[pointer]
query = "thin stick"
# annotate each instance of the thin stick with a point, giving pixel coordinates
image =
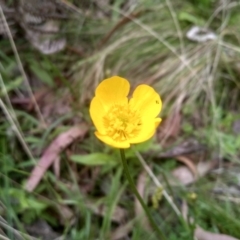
(135, 191)
(18, 234)
(16, 130)
(159, 185)
(4, 238)
(8, 101)
(177, 25)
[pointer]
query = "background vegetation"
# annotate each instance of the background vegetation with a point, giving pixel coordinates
(53, 55)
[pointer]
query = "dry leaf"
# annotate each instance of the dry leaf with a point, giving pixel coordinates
(122, 231)
(172, 125)
(66, 214)
(204, 167)
(185, 176)
(52, 152)
(201, 234)
(189, 164)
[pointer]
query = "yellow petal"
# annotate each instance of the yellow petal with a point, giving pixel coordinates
(148, 129)
(97, 112)
(113, 90)
(157, 121)
(146, 101)
(111, 142)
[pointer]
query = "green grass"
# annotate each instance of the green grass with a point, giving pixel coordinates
(91, 199)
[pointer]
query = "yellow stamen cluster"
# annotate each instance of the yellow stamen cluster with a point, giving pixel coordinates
(122, 122)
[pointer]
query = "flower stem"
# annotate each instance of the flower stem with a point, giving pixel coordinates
(135, 191)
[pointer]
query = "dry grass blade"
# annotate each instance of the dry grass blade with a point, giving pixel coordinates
(4, 238)
(16, 129)
(20, 65)
(52, 153)
(157, 183)
(17, 234)
(181, 80)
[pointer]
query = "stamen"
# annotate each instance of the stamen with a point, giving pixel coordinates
(122, 122)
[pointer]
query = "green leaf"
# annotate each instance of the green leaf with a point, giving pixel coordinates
(140, 147)
(184, 16)
(42, 74)
(12, 85)
(94, 159)
(32, 139)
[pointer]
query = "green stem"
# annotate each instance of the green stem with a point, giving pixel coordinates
(130, 180)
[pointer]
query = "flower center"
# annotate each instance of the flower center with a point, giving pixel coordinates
(122, 122)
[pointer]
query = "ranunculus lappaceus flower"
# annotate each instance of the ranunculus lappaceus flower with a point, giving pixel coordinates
(121, 121)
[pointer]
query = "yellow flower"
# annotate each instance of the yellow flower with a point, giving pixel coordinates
(121, 121)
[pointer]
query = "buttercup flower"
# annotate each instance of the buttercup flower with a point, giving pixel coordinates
(121, 121)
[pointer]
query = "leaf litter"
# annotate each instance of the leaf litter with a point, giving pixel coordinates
(51, 154)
